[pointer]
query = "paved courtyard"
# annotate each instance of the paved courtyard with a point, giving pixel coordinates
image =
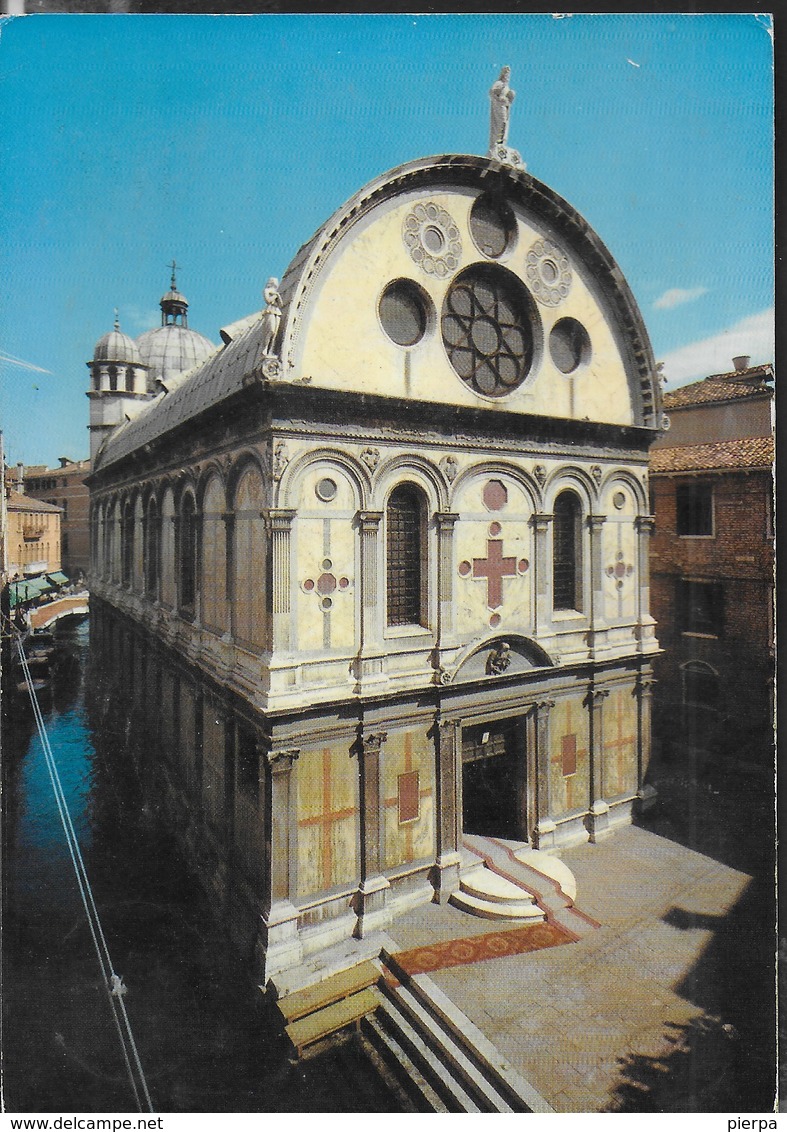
(661, 1008)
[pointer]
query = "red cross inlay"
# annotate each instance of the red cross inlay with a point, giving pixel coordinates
(494, 568)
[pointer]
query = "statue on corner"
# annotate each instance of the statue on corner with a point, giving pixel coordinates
(501, 96)
(271, 317)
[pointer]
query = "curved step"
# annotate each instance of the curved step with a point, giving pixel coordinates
(494, 910)
(551, 867)
(488, 885)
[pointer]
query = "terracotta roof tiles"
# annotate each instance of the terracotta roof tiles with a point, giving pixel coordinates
(751, 452)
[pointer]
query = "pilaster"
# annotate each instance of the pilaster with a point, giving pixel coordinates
(645, 525)
(645, 792)
(278, 945)
(543, 607)
(544, 833)
(279, 522)
(598, 818)
(373, 890)
(369, 667)
(595, 524)
(445, 875)
(446, 521)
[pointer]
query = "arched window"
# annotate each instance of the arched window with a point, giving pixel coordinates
(127, 543)
(567, 552)
(187, 557)
(152, 549)
(406, 556)
(113, 378)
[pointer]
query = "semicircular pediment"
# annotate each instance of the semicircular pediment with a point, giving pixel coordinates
(504, 655)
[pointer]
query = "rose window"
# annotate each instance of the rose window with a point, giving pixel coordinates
(488, 330)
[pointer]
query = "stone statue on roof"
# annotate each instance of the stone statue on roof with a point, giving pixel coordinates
(501, 96)
(271, 317)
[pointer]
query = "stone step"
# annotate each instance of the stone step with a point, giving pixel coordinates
(398, 1062)
(484, 1072)
(420, 1048)
(488, 885)
(492, 910)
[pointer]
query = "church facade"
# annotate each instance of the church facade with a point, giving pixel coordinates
(376, 570)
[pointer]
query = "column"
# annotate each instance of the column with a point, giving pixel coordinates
(278, 946)
(445, 875)
(542, 613)
(446, 521)
(280, 528)
(645, 792)
(369, 669)
(373, 889)
(596, 610)
(544, 833)
(598, 822)
(644, 525)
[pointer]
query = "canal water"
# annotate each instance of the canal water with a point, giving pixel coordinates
(204, 1041)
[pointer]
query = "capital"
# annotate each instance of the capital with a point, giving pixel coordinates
(281, 761)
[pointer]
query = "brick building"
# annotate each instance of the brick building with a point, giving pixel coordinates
(65, 487)
(712, 568)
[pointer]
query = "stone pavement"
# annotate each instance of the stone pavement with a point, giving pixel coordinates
(590, 1023)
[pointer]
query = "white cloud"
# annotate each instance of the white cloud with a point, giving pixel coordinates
(677, 296)
(753, 335)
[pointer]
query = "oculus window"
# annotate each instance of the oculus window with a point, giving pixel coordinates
(487, 328)
(569, 345)
(492, 226)
(403, 312)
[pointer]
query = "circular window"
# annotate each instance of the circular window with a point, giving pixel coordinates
(492, 226)
(325, 490)
(403, 312)
(488, 330)
(569, 345)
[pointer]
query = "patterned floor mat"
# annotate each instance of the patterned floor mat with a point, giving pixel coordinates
(475, 949)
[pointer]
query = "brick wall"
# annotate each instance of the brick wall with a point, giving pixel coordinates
(738, 560)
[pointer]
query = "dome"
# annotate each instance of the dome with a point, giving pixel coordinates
(116, 347)
(172, 349)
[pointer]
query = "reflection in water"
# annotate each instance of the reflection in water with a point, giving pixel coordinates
(204, 1040)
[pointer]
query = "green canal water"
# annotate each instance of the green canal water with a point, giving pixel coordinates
(204, 1041)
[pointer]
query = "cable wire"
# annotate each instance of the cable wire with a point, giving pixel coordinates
(112, 982)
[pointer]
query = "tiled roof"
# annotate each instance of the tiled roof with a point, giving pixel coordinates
(217, 378)
(17, 502)
(752, 452)
(720, 387)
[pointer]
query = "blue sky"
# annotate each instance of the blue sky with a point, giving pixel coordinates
(225, 141)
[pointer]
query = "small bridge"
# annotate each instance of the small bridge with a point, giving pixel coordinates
(72, 606)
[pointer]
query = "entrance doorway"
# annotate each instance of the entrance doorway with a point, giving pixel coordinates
(493, 780)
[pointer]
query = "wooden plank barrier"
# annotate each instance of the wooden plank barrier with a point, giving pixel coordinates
(300, 1003)
(320, 1024)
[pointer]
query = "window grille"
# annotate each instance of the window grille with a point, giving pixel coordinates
(405, 557)
(566, 562)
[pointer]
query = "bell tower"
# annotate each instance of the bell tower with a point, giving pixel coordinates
(118, 384)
